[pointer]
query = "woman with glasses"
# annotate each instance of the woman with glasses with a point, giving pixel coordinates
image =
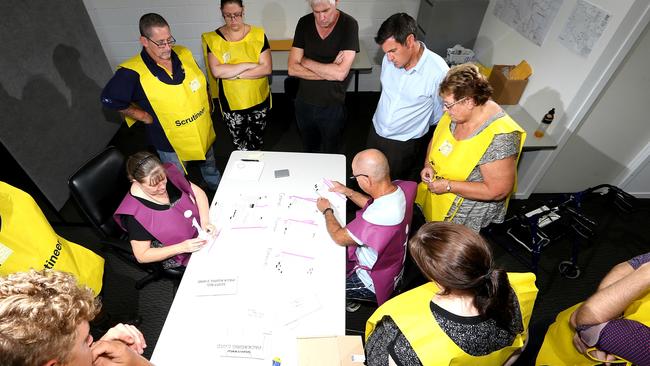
(159, 210)
(470, 169)
(470, 313)
(239, 60)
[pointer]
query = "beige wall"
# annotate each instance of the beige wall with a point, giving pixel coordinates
(614, 132)
(561, 79)
(572, 84)
(116, 22)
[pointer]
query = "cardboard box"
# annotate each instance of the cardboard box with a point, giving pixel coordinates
(506, 91)
(331, 351)
(280, 44)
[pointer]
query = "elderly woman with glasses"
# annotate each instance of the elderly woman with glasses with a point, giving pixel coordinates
(160, 211)
(239, 60)
(470, 169)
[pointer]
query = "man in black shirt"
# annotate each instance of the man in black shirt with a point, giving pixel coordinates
(324, 47)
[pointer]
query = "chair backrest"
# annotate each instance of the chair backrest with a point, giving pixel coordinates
(411, 276)
(98, 187)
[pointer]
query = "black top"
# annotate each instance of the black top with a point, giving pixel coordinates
(344, 36)
(135, 230)
(474, 335)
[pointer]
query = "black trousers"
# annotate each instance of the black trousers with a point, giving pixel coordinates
(321, 128)
(405, 158)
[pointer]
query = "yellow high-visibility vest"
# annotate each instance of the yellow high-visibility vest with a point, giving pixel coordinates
(28, 241)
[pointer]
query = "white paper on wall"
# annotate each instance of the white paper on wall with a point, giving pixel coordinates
(584, 27)
(532, 19)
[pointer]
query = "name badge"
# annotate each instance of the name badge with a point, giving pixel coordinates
(446, 148)
(195, 85)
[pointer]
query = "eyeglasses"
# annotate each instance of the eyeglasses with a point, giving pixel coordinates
(450, 105)
(232, 16)
(161, 44)
(354, 177)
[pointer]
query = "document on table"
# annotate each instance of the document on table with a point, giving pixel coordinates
(296, 229)
(322, 188)
(243, 343)
(214, 286)
(298, 307)
(292, 272)
(246, 170)
(296, 266)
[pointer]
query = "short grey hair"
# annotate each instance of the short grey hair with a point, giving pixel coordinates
(315, 2)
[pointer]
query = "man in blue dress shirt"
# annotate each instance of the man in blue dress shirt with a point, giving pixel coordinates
(409, 103)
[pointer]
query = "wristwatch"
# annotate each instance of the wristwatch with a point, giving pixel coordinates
(448, 186)
(327, 209)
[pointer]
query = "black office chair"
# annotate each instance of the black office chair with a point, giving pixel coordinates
(98, 187)
(411, 277)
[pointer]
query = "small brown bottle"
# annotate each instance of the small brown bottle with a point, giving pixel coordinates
(546, 121)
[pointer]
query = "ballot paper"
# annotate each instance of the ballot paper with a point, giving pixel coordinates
(323, 187)
(246, 169)
(297, 307)
(202, 234)
(214, 286)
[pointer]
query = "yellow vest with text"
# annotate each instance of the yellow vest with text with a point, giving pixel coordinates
(455, 160)
(183, 110)
(28, 241)
(412, 314)
(241, 93)
(558, 348)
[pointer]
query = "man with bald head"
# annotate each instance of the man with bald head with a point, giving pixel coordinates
(376, 238)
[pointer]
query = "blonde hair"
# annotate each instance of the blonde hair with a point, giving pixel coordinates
(39, 314)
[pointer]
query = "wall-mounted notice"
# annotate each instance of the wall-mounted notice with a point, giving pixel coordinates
(532, 18)
(584, 27)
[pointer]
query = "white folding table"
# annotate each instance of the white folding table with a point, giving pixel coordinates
(273, 274)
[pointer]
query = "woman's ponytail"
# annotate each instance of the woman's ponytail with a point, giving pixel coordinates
(494, 298)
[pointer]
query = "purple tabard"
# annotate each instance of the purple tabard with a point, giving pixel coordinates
(388, 241)
(168, 226)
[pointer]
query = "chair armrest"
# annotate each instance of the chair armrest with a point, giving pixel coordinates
(121, 246)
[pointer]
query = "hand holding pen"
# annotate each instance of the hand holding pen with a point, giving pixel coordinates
(323, 204)
(337, 187)
(210, 229)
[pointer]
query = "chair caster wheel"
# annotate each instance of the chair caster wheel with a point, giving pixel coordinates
(569, 270)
